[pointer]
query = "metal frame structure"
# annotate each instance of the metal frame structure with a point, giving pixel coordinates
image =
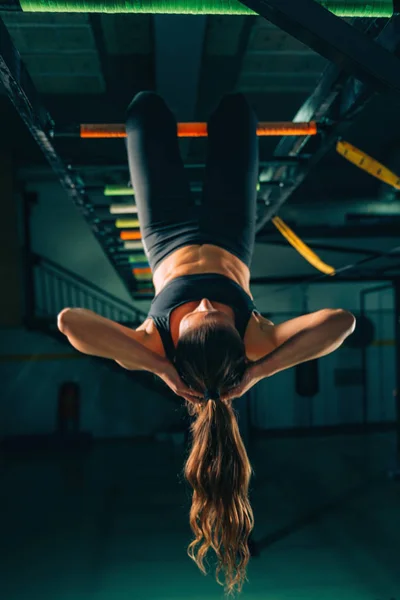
(333, 38)
(22, 93)
(336, 100)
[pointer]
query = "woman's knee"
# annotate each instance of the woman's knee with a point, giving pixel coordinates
(144, 105)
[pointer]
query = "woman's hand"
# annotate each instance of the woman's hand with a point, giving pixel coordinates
(167, 372)
(249, 379)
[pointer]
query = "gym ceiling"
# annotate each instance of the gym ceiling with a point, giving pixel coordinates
(87, 67)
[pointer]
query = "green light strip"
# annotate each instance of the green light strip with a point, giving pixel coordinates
(118, 190)
(341, 8)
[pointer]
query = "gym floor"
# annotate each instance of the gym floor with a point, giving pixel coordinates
(112, 523)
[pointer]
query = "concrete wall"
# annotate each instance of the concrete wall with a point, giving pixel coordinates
(32, 368)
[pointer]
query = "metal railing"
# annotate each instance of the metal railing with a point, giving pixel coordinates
(50, 288)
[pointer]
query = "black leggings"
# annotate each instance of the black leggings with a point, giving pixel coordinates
(168, 215)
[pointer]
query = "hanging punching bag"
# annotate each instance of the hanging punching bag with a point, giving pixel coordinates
(363, 335)
(68, 408)
(307, 378)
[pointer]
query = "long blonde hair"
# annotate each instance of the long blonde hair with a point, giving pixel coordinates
(218, 469)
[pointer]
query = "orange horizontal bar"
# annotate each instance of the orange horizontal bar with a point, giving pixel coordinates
(190, 130)
(130, 235)
(265, 128)
(141, 270)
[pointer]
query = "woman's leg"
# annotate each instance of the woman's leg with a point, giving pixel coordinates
(228, 211)
(167, 212)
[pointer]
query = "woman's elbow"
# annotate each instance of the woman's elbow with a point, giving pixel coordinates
(63, 319)
(347, 320)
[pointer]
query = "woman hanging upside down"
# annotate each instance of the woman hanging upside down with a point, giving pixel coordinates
(203, 335)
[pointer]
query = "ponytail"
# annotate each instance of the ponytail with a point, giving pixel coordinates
(211, 359)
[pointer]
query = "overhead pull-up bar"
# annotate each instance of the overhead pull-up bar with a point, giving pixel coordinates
(188, 130)
(341, 8)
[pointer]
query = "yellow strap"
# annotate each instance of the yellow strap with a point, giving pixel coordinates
(301, 247)
(368, 164)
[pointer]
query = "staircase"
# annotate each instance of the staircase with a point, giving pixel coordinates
(50, 288)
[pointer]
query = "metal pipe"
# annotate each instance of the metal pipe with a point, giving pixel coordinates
(364, 366)
(188, 130)
(29, 292)
(396, 283)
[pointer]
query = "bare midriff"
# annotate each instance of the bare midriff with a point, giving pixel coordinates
(205, 258)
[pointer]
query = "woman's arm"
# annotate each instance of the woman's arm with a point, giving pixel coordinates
(304, 338)
(92, 334)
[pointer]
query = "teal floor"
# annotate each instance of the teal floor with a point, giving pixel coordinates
(113, 524)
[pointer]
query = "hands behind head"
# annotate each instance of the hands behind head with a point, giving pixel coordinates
(249, 379)
(170, 376)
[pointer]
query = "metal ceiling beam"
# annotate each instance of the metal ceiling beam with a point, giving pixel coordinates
(99, 41)
(318, 232)
(220, 72)
(374, 272)
(336, 101)
(333, 38)
(179, 41)
(298, 279)
(327, 247)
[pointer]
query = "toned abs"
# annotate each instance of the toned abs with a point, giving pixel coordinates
(195, 259)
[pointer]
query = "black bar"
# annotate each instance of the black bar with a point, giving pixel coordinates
(29, 291)
(52, 293)
(364, 366)
(395, 267)
(341, 272)
(101, 45)
(41, 278)
(301, 280)
(396, 283)
(378, 288)
(325, 232)
(334, 39)
(318, 246)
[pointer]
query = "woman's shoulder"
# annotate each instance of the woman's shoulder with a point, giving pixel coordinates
(150, 337)
(257, 339)
(263, 323)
